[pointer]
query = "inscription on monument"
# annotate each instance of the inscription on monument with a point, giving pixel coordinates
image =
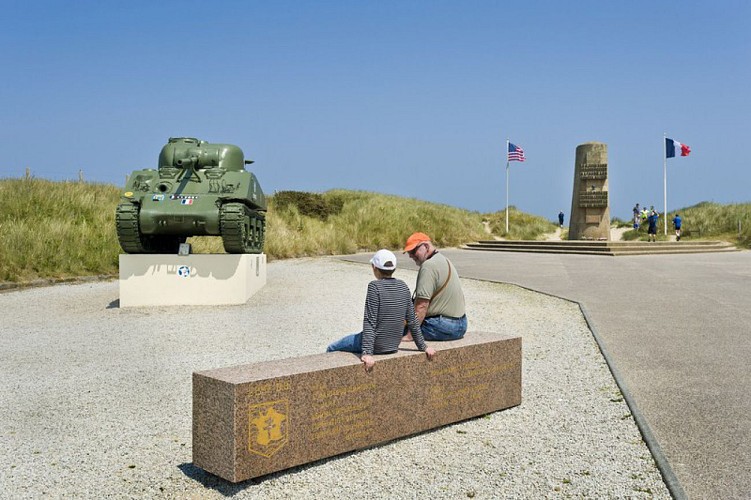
(341, 413)
(464, 382)
(593, 219)
(593, 199)
(593, 171)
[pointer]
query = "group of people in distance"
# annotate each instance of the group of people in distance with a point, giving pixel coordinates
(392, 315)
(650, 217)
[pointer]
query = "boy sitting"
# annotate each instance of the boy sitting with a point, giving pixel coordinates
(388, 305)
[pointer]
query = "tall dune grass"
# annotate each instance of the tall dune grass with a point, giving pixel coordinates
(56, 229)
(365, 221)
(707, 220)
(369, 221)
(712, 220)
(521, 226)
(66, 229)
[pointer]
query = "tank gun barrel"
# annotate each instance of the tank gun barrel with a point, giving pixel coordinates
(190, 162)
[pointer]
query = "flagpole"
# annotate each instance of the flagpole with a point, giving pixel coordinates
(507, 143)
(665, 179)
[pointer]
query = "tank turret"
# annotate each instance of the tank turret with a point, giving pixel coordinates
(198, 189)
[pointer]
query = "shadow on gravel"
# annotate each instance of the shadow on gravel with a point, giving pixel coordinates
(213, 482)
(114, 304)
(228, 489)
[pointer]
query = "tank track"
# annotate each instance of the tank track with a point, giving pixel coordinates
(128, 229)
(242, 229)
(130, 237)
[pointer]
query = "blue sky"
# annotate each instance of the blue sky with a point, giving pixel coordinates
(413, 98)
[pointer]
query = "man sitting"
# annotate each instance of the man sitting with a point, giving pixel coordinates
(439, 299)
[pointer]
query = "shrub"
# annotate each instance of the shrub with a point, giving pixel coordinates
(308, 204)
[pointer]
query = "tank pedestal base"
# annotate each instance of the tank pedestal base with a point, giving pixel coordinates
(197, 279)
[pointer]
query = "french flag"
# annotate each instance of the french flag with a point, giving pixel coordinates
(672, 146)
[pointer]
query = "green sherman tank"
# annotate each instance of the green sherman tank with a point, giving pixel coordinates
(199, 189)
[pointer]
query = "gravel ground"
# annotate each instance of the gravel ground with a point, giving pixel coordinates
(96, 400)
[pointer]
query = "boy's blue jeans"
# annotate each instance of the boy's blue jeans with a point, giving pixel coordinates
(350, 343)
(444, 328)
(433, 328)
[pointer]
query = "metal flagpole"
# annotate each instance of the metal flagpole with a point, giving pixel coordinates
(507, 143)
(665, 179)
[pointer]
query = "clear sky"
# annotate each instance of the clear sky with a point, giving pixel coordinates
(414, 98)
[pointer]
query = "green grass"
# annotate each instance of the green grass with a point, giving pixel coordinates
(615, 221)
(522, 226)
(56, 229)
(368, 221)
(67, 229)
(706, 221)
(362, 221)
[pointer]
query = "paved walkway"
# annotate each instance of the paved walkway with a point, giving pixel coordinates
(678, 328)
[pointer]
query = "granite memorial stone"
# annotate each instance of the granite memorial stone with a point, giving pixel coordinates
(255, 419)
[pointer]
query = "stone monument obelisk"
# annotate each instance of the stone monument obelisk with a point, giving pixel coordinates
(590, 206)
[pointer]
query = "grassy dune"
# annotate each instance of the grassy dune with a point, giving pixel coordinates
(67, 229)
(707, 221)
(356, 221)
(56, 229)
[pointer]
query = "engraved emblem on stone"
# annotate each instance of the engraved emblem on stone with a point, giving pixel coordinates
(267, 432)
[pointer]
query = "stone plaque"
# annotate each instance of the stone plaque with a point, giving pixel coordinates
(593, 171)
(593, 199)
(590, 206)
(255, 419)
(593, 219)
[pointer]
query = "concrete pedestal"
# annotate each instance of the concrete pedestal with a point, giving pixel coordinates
(199, 279)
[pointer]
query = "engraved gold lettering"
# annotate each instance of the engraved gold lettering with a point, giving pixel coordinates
(342, 391)
(344, 432)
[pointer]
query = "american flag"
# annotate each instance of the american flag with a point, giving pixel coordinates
(515, 153)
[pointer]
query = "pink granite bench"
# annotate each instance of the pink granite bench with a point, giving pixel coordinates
(255, 419)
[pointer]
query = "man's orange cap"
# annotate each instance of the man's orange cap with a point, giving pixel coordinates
(415, 240)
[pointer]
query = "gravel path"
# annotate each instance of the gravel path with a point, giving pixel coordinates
(96, 400)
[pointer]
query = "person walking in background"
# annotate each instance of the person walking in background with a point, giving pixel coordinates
(560, 219)
(636, 216)
(439, 299)
(652, 229)
(388, 306)
(677, 225)
(644, 215)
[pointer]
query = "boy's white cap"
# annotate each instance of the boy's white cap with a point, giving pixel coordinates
(384, 259)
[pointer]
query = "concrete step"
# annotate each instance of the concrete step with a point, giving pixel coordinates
(612, 248)
(585, 243)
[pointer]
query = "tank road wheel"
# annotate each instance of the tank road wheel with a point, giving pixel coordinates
(260, 227)
(242, 229)
(131, 239)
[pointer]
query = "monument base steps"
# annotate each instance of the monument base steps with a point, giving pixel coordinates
(611, 248)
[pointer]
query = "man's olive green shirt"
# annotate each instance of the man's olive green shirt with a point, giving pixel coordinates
(432, 275)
